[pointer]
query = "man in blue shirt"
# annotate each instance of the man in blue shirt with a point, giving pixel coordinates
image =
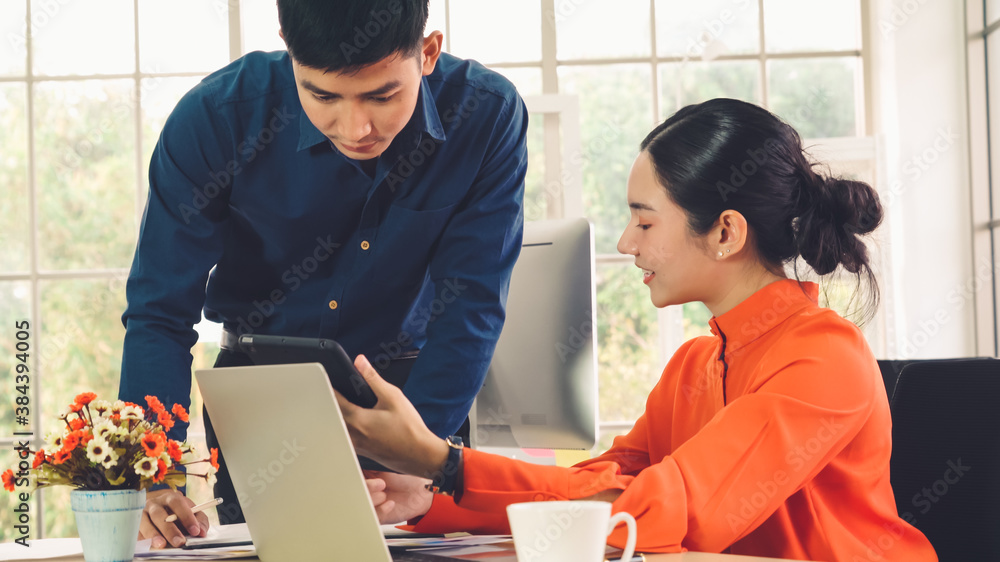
(362, 186)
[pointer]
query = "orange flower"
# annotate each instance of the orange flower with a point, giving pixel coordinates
(161, 471)
(39, 459)
(215, 459)
(75, 407)
(85, 398)
(85, 437)
(61, 456)
(8, 480)
(174, 450)
(179, 411)
(77, 424)
(164, 419)
(153, 444)
(71, 441)
(155, 404)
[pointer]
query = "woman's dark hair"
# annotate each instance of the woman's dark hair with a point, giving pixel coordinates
(346, 35)
(728, 154)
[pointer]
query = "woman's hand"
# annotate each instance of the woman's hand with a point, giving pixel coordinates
(398, 497)
(392, 432)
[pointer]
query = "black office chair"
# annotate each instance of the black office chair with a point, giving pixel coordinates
(945, 467)
(891, 368)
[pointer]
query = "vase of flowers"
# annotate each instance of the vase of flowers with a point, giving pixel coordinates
(110, 453)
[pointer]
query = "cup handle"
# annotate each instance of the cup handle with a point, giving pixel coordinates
(624, 517)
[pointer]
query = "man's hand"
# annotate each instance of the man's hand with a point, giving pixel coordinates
(160, 504)
(398, 497)
(392, 432)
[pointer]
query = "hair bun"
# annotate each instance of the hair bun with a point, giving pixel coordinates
(834, 214)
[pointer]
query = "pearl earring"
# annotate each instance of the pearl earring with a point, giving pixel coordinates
(720, 254)
(727, 250)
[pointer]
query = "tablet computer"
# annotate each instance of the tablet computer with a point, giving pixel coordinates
(282, 350)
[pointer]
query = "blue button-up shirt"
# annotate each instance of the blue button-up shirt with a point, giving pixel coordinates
(304, 243)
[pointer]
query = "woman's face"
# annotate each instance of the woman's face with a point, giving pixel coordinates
(677, 265)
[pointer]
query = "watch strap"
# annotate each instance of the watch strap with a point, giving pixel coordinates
(446, 480)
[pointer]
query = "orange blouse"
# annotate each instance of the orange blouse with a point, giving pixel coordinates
(770, 438)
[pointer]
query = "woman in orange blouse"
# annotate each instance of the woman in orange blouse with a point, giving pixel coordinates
(772, 436)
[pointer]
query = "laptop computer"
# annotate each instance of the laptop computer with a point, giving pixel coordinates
(293, 465)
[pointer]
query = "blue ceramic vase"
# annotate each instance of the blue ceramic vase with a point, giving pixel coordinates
(108, 522)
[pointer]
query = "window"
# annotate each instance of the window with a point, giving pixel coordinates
(631, 64)
(983, 51)
(84, 94)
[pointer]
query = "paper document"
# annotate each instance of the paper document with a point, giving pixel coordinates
(220, 542)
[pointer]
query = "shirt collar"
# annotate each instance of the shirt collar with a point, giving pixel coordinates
(425, 119)
(762, 311)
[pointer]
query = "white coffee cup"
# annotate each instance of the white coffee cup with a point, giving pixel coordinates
(566, 531)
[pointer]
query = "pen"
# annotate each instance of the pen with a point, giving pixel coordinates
(197, 508)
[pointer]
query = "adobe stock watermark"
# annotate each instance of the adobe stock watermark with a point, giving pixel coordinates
(756, 159)
(578, 337)
(914, 168)
(406, 165)
(899, 16)
(86, 147)
(421, 316)
(608, 136)
(363, 36)
(248, 149)
(562, 10)
(958, 297)
(264, 476)
(544, 537)
(752, 329)
(713, 29)
(292, 278)
(796, 459)
(42, 13)
(878, 548)
(493, 418)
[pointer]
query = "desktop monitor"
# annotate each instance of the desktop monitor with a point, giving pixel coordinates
(541, 387)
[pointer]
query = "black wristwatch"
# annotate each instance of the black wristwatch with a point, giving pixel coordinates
(445, 481)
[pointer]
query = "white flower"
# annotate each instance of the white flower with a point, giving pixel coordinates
(210, 476)
(117, 406)
(133, 413)
(146, 467)
(110, 459)
(102, 408)
(105, 429)
(54, 441)
(188, 455)
(97, 450)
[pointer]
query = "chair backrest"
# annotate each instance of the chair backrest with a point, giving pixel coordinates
(891, 368)
(945, 467)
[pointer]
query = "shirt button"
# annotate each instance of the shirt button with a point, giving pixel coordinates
(333, 305)
(365, 245)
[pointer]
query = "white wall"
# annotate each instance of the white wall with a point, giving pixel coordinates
(920, 115)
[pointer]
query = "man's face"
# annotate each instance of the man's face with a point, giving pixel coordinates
(362, 112)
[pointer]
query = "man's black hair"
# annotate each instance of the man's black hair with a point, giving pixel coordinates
(345, 35)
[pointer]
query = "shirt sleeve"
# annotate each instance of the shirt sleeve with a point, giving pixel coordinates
(471, 271)
(773, 440)
(180, 240)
